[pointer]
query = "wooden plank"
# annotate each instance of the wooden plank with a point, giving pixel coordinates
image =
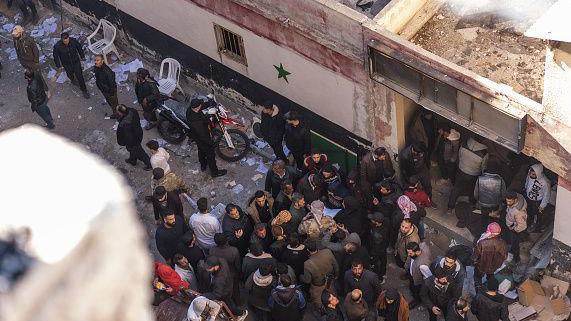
(421, 18)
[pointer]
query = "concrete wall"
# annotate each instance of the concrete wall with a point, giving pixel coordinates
(561, 260)
(556, 98)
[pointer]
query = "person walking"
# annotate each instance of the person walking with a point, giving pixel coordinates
(297, 137)
(28, 54)
(38, 98)
(490, 253)
(455, 270)
(516, 221)
(68, 54)
(392, 306)
(105, 81)
(272, 126)
(130, 135)
(147, 91)
(198, 123)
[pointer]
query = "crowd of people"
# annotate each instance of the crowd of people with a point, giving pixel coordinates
(315, 238)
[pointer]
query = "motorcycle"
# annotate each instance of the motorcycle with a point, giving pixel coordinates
(231, 144)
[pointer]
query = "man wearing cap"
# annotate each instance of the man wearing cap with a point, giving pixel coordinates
(147, 91)
(490, 253)
(68, 54)
(198, 123)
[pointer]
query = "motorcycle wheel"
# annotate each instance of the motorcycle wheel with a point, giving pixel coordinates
(239, 139)
(170, 132)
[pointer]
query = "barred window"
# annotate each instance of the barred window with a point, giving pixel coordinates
(230, 44)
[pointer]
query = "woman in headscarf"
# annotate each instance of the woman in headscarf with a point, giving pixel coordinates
(315, 222)
(411, 211)
(392, 306)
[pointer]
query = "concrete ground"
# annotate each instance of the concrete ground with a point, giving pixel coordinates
(84, 121)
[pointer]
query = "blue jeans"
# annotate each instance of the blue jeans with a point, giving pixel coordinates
(44, 112)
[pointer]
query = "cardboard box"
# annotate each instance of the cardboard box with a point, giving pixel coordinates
(528, 291)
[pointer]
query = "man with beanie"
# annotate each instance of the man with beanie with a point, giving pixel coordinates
(68, 54)
(490, 253)
(272, 126)
(130, 135)
(259, 287)
(537, 194)
(204, 225)
(198, 123)
(489, 305)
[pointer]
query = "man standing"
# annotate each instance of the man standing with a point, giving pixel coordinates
(408, 233)
(490, 253)
(185, 270)
(458, 310)
(447, 149)
(68, 54)
(38, 98)
(489, 192)
(105, 81)
(286, 301)
(516, 220)
(437, 294)
(375, 167)
(365, 280)
(28, 54)
(130, 135)
(168, 235)
(417, 267)
(356, 308)
(329, 309)
(198, 123)
(488, 305)
(148, 95)
(164, 200)
(204, 225)
(319, 272)
(297, 208)
(272, 127)
(280, 172)
(378, 243)
(297, 137)
(455, 271)
(413, 162)
(537, 194)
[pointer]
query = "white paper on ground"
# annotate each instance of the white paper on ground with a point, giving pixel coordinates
(331, 212)
(262, 169)
(8, 27)
(238, 189)
(51, 73)
(62, 78)
(257, 177)
(261, 144)
(11, 53)
(143, 123)
(251, 161)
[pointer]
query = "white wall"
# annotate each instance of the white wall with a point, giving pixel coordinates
(310, 85)
(562, 228)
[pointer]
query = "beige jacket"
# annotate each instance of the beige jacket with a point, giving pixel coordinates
(516, 215)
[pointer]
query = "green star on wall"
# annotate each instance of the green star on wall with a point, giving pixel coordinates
(282, 73)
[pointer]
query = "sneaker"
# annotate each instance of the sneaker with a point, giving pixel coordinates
(86, 95)
(243, 316)
(221, 172)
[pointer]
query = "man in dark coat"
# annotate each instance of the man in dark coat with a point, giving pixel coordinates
(166, 201)
(437, 294)
(378, 244)
(232, 257)
(360, 278)
(238, 228)
(168, 236)
(272, 127)
(147, 91)
(319, 272)
(38, 98)
(286, 301)
(105, 81)
(488, 305)
(295, 254)
(458, 310)
(254, 259)
(198, 123)
(314, 162)
(356, 308)
(374, 168)
(130, 135)
(68, 54)
(352, 216)
(259, 287)
(28, 54)
(413, 162)
(284, 199)
(297, 137)
(330, 310)
(312, 187)
(280, 172)
(189, 248)
(454, 269)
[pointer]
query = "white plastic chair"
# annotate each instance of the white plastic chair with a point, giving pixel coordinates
(103, 46)
(168, 84)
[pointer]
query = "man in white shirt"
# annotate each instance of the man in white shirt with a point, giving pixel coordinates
(183, 268)
(159, 156)
(205, 225)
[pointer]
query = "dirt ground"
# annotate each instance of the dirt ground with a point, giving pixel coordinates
(491, 47)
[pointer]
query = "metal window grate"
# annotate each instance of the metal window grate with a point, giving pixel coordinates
(230, 44)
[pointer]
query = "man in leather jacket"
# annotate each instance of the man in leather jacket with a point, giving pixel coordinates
(38, 98)
(68, 54)
(489, 193)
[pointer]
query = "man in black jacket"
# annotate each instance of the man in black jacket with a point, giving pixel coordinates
(488, 305)
(38, 98)
(413, 161)
(272, 127)
(68, 54)
(168, 236)
(169, 201)
(130, 135)
(378, 243)
(437, 294)
(28, 54)
(238, 227)
(198, 123)
(297, 137)
(148, 95)
(105, 81)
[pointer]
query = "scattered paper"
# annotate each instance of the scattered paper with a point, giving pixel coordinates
(238, 189)
(62, 78)
(115, 126)
(121, 77)
(251, 161)
(261, 144)
(262, 169)
(11, 53)
(8, 27)
(51, 74)
(89, 108)
(143, 123)
(231, 184)
(257, 177)
(286, 150)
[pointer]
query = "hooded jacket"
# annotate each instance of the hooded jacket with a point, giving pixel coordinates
(286, 304)
(251, 263)
(197, 307)
(298, 138)
(309, 166)
(455, 276)
(538, 189)
(129, 131)
(252, 210)
(273, 126)
(516, 215)
(473, 157)
(309, 191)
(488, 307)
(403, 309)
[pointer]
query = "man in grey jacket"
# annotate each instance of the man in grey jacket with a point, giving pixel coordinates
(417, 267)
(489, 193)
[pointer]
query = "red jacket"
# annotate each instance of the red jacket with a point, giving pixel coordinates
(419, 197)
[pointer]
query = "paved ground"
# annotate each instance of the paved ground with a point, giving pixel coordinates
(84, 122)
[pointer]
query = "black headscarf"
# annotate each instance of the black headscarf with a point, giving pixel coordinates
(392, 310)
